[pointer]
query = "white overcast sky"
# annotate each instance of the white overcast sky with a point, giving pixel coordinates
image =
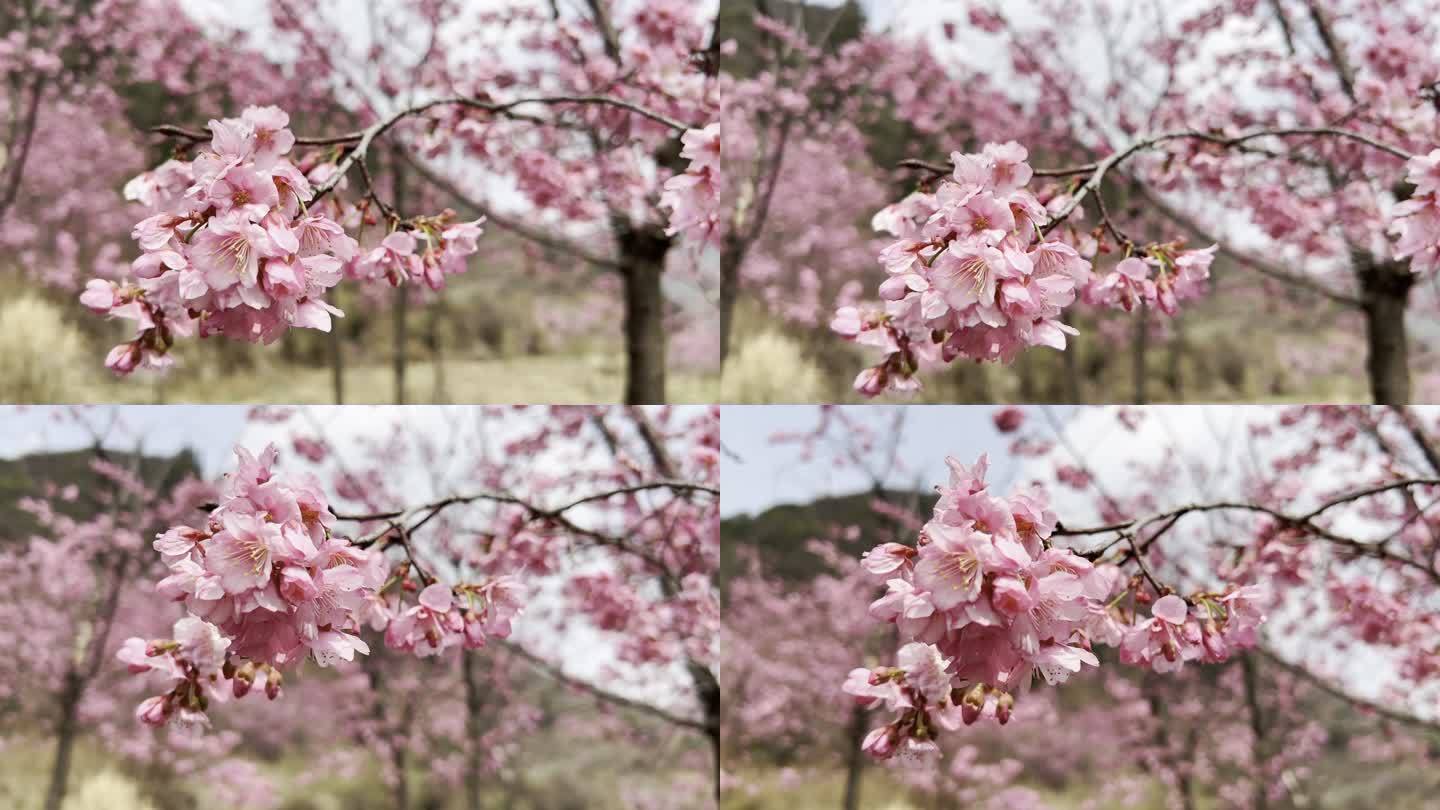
(758, 474)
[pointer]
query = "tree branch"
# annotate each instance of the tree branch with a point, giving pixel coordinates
(1128, 531)
(1259, 265)
(1335, 691)
(555, 673)
(524, 231)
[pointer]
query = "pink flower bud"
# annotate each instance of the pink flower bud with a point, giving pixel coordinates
(880, 743)
(273, 681)
(244, 679)
(153, 711)
(973, 704)
(99, 295)
(1004, 705)
(123, 358)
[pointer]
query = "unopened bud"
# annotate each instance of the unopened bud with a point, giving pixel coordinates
(1004, 705)
(153, 711)
(273, 681)
(973, 704)
(160, 646)
(244, 679)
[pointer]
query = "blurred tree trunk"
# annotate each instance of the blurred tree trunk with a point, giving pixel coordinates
(730, 256)
(1026, 368)
(402, 340)
(1257, 727)
(854, 759)
(1175, 365)
(1071, 360)
(402, 292)
(89, 658)
(474, 728)
(1139, 347)
(401, 791)
(337, 364)
(438, 312)
(65, 732)
(1385, 295)
(642, 258)
(1180, 765)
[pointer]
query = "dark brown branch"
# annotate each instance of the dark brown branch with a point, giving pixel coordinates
(1335, 691)
(535, 235)
(497, 497)
(1259, 265)
(399, 521)
(15, 172)
(607, 30)
(1099, 169)
(173, 131)
(1333, 45)
(1127, 531)
(554, 672)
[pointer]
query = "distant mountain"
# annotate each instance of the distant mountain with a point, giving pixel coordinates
(736, 22)
(779, 534)
(27, 476)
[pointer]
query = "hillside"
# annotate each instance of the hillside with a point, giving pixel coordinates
(779, 534)
(27, 476)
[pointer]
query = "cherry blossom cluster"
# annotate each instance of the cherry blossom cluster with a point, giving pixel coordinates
(440, 621)
(443, 251)
(970, 273)
(1416, 221)
(1160, 278)
(693, 196)
(974, 273)
(233, 246)
(198, 671)
(985, 602)
(1208, 627)
(267, 583)
(229, 247)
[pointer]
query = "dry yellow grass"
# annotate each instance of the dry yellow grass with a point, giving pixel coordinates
(42, 358)
(545, 379)
(769, 367)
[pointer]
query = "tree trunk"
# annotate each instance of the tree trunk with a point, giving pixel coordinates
(854, 759)
(474, 702)
(729, 292)
(1175, 371)
(402, 292)
(64, 739)
(1385, 295)
(642, 257)
(1142, 339)
(707, 691)
(337, 365)
(1257, 727)
(1025, 368)
(401, 791)
(439, 393)
(402, 340)
(1071, 359)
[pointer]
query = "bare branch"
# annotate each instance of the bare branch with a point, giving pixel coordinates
(1256, 263)
(555, 673)
(1335, 691)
